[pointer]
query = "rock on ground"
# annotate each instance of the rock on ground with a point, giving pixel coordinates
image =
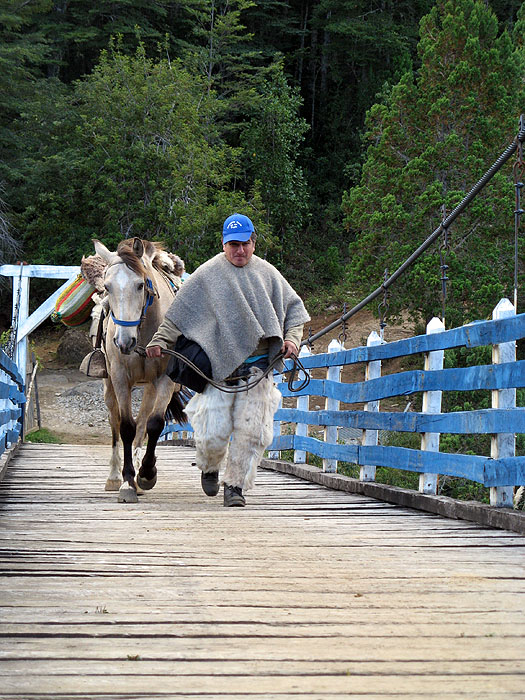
(73, 347)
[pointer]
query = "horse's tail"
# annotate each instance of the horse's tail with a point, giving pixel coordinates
(175, 408)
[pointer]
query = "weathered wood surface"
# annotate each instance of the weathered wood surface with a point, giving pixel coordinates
(306, 592)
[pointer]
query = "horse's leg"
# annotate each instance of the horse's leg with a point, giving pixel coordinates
(128, 491)
(146, 408)
(114, 479)
(147, 476)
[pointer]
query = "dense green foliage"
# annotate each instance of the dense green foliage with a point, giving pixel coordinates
(140, 160)
(433, 136)
(158, 119)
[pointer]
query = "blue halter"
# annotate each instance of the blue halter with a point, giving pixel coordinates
(149, 301)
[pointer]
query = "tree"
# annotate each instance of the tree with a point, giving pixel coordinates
(430, 140)
(9, 246)
(21, 52)
(133, 159)
(78, 30)
(258, 112)
(271, 141)
(22, 49)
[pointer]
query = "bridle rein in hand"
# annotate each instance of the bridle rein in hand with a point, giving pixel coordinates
(228, 389)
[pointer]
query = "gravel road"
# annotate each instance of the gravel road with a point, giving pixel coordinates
(72, 406)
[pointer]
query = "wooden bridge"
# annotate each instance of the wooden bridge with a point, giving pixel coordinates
(306, 592)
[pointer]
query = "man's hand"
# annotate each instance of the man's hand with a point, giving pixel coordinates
(288, 348)
(154, 351)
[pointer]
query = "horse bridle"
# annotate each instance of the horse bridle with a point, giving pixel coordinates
(150, 296)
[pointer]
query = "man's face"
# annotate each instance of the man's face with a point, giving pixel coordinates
(238, 252)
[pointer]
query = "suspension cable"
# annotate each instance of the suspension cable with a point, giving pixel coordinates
(382, 309)
(10, 345)
(518, 184)
(443, 250)
(480, 184)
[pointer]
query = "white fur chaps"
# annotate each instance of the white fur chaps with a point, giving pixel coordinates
(245, 417)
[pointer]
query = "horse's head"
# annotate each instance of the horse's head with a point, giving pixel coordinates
(128, 287)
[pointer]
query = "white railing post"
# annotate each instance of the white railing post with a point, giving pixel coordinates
(21, 296)
(303, 404)
(275, 454)
(503, 444)
(331, 431)
(428, 483)
(367, 472)
(21, 275)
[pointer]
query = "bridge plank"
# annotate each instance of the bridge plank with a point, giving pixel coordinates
(307, 592)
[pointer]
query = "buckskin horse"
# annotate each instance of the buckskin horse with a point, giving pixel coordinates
(137, 292)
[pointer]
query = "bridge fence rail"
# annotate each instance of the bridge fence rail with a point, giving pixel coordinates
(349, 425)
(12, 401)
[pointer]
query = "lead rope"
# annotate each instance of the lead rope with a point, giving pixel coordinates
(227, 389)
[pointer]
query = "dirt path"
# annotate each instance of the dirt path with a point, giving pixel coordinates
(72, 406)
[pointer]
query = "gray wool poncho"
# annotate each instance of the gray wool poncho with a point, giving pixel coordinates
(227, 310)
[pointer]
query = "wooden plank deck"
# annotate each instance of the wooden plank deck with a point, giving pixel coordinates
(306, 592)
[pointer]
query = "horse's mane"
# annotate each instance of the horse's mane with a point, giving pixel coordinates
(130, 258)
(93, 266)
(161, 259)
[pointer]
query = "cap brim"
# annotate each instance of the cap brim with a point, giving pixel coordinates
(237, 236)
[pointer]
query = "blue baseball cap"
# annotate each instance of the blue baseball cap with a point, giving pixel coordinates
(237, 227)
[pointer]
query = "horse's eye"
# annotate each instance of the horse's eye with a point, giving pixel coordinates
(140, 286)
(106, 287)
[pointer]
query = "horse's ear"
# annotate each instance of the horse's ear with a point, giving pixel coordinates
(101, 250)
(150, 251)
(138, 247)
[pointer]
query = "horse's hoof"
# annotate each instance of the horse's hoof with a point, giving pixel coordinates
(127, 494)
(113, 484)
(146, 484)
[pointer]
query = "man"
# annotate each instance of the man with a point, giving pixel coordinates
(242, 312)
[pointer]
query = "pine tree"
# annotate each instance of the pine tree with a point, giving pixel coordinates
(433, 137)
(22, 49)
(77, 31)
(271, 140)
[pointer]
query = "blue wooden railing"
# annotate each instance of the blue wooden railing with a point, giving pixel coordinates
(12, 400)
(502, 470)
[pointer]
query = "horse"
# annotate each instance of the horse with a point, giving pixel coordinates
(137, 290)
